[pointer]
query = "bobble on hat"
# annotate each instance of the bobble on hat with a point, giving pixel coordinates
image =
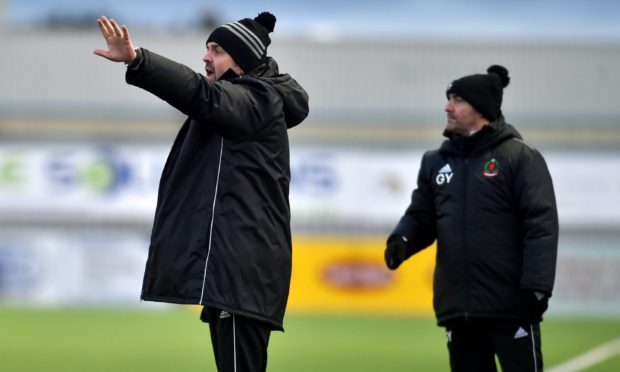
(246, 40)
(267, 20)
(501, 72)
(483, 91)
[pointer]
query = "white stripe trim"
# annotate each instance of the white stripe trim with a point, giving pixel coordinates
(259, 44)
(244, 39)
(217, 182)
(250, 36)
(534, 348)
(234, 344)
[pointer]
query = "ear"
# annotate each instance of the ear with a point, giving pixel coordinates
(237, 70)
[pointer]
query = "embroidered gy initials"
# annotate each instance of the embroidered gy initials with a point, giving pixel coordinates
(443, 177)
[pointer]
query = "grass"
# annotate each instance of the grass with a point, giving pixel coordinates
(175, 340)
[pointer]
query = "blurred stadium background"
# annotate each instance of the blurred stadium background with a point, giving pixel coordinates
(81, 154)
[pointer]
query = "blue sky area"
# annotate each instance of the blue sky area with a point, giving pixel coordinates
(519, 19)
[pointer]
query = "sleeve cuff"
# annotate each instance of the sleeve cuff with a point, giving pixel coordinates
(137, 63)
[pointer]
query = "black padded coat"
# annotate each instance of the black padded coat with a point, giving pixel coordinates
(221, 234)
(488, 201)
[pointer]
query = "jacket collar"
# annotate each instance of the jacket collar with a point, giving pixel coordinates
(229, 75)
(490, 135)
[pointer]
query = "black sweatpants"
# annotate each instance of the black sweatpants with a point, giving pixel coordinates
(473, 345)
(239, 343)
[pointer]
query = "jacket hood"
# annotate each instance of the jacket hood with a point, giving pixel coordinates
(490, 135)
(294, 97)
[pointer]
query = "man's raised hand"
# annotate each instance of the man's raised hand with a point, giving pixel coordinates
(120, 48)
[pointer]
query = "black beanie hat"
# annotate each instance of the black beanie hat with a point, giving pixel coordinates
(483, 91)
(246, 40)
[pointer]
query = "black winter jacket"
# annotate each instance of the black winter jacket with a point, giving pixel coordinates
(221, 234)
(489, 202)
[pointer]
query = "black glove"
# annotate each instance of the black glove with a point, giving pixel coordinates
(533, 305)
(396, 252)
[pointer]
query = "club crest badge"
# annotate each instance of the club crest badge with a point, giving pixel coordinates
(491, 168)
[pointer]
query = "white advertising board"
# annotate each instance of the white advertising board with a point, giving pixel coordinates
(99, 268)
(51, 268)
(355, 186)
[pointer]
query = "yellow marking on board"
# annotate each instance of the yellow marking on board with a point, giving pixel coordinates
(317, 261)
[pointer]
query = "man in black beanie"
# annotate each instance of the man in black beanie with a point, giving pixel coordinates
(487, 200)
(221, 235)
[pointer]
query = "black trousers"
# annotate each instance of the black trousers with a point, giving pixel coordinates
(239, 343)
(474, 344)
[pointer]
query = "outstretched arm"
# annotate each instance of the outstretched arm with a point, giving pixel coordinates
(120, 48)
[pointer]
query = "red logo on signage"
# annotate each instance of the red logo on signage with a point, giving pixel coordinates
(357, 274)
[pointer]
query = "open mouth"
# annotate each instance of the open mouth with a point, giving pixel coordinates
(210, 72)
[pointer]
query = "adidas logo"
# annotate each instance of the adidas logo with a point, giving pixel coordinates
(520, 333)
(224, 314)
(445, 169)
(444, 175)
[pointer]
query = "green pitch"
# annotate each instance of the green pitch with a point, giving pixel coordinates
(175, 340)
